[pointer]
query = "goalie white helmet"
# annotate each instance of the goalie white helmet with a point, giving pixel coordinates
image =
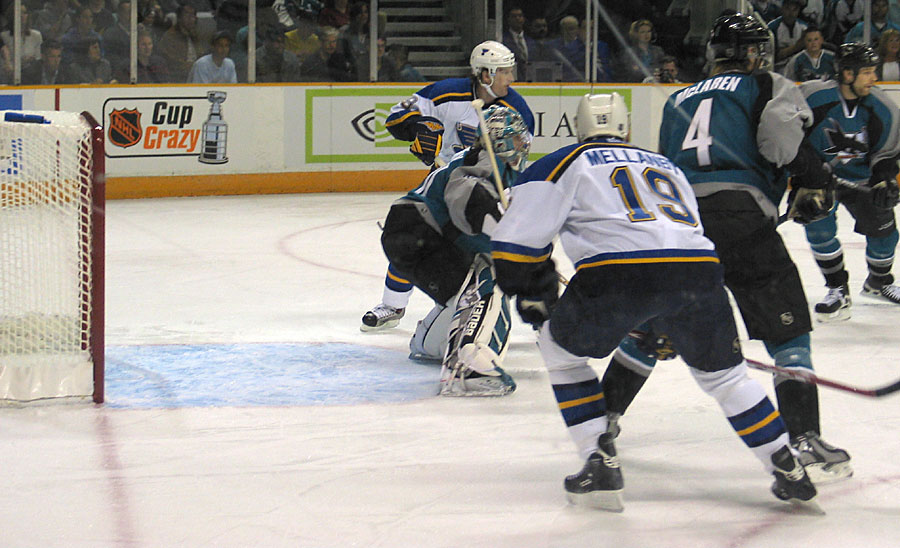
(604, 114)
(491, 55)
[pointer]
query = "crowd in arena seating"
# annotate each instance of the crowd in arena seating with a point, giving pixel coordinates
(206, 41)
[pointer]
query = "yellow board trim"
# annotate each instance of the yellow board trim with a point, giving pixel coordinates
(263, 183)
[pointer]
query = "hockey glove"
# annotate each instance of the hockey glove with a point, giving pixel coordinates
(429, 139)
(535, 305)
(807, 205)
(886, 194)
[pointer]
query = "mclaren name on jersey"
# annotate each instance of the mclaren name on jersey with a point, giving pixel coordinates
(724, 83)
(600, 156)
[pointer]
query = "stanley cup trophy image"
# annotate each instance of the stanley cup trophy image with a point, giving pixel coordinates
(215, 131)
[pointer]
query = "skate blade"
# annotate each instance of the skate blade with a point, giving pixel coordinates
(810, 507)
(386, 325)
(611, 501)
(830, 317)
(425, 358)
(822, 475)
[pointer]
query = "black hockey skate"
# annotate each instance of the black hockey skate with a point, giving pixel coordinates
(824, 463)
(835, 306)
(791, 482)
(599, 484)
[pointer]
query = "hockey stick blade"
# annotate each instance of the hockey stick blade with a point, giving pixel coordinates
(812, 378)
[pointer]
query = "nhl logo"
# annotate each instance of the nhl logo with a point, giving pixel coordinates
(787, 318)
(124, 127)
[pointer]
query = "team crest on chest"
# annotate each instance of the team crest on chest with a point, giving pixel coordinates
(846, 145)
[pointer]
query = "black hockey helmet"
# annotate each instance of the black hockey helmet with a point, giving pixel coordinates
(732, 35)
(854, 56)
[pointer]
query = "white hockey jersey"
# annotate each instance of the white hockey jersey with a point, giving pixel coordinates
(611, 204)
(450, 101)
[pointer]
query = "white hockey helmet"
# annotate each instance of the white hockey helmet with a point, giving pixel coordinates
(602, 114)
(491, 55)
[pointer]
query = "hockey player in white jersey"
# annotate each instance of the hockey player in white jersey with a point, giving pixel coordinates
(437, 236)
(628, 220)
(439, 121)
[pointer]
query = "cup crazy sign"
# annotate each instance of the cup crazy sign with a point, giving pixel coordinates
(154, 126)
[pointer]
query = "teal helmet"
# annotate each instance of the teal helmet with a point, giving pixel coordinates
(509, 135)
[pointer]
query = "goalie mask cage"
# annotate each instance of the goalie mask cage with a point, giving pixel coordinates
(52, 206)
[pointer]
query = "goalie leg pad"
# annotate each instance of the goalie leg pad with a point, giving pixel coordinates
(429, 342)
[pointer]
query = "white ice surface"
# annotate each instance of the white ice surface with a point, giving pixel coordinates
(432, 472)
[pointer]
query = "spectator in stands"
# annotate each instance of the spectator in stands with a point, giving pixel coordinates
(151, 68)
(335, 14)
(179, 45)
(43, 71)
(6, 65)
(880, 23)
(642, 56)
(667, 73)
(847, 13)
(273, 62)
(813, 61)
(239, 53)
(889, 52)
(31, 38)
(153, 19)
(215, 67)
(303, 40)
(328, 64)
(813, 13)
(117, 42)
(767, 9)
(408, 73)
(53, 20)
(88, 66)
(74, 39)
(354, 40)
(788, 30)
(537, 29)
(387, 67)
(514, 36)
(103, 18)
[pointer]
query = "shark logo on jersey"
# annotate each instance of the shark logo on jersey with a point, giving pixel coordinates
(846, 146)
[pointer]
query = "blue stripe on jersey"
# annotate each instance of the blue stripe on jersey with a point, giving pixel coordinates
(580, 402)
(519, 253)
(759, 425)
(649, 256)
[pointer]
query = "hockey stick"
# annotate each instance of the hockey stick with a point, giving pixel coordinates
(811, 378)
(838, 181)
(478, 104)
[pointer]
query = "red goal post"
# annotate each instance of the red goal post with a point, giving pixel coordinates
(52, 241)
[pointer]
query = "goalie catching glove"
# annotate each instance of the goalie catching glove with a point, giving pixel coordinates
(428, 140)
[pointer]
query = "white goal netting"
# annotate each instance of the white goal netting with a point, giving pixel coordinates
(46, 247)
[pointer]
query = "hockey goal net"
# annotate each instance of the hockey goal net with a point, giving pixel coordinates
(52, 203)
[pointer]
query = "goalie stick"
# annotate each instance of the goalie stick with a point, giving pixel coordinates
(811, 378)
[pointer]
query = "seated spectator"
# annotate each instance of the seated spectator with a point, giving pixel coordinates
(847, 13)
(328, 64)
(239, 53)
(215, 67)
(75, 38)
(44, 71)
(53, 20)
(88, 66)
(641, 57)
(103, 18)
(153, 19)
(151, 68)
(667, 73)
(117, 42)
(179, 45)
(408, 73)
(387, 68)
(303, 40)
(788, 30)
(538, 30)
(813, 62)
(273, 62)
(880, 23)
(354, 39)
(767, 9)
(31, 38)
(514, 36)
(335, 14)
(889, 51)
(813, 13)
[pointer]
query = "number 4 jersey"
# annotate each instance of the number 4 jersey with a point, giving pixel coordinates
(732, 131)
(611, 203)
